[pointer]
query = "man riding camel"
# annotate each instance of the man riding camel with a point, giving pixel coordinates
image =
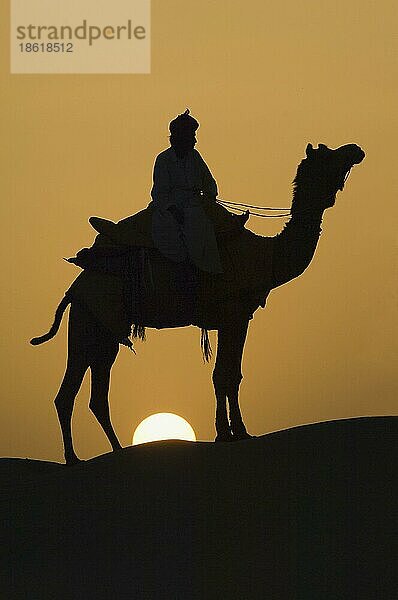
(182, 182)
(183, 218)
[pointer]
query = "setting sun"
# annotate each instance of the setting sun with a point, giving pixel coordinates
(163, 426)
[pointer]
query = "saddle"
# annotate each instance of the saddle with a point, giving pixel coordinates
(136, 230)
(132, 231)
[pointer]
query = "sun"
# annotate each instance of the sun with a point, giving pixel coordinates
(163, 426)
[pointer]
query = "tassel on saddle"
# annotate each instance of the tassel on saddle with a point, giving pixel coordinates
(205, 345)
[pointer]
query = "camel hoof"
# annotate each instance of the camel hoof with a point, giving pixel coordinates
(224, 437)
(71, 461)
(237, 437)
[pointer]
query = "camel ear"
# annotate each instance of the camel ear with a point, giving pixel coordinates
(322, 147)
(309, 150)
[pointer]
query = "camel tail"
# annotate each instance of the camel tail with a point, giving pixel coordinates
(55, 326)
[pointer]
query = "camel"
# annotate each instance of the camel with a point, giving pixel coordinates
(320, 175)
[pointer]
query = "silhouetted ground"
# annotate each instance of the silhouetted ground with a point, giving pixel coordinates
(306, 513)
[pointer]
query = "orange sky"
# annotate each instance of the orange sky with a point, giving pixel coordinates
(263, 79)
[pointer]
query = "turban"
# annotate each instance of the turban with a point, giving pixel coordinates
(183, 124)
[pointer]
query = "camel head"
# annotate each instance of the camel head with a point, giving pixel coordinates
(322, 174)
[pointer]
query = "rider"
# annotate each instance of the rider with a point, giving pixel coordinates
(182, 182)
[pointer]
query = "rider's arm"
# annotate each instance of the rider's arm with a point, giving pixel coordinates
(161, 183)
(209, 185)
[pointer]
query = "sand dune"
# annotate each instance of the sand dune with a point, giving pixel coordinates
(297, 514)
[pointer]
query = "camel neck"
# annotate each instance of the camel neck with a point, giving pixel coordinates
(306, 207)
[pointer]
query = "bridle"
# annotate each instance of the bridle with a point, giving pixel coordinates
(243, 208)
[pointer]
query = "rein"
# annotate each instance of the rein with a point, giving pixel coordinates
(245, 207)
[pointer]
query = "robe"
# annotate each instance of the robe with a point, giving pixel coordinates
(181, 229)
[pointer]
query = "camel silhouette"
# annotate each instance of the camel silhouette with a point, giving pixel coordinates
(92, 345)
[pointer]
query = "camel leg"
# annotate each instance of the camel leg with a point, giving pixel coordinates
(65, 399)
(99, 404)
(223, 428)
(227, 377)
(237, 425)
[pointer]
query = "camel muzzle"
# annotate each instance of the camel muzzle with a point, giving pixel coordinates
(354, 153)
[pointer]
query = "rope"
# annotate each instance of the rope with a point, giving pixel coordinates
(235, 205)
(250, 205)
(254, 214)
